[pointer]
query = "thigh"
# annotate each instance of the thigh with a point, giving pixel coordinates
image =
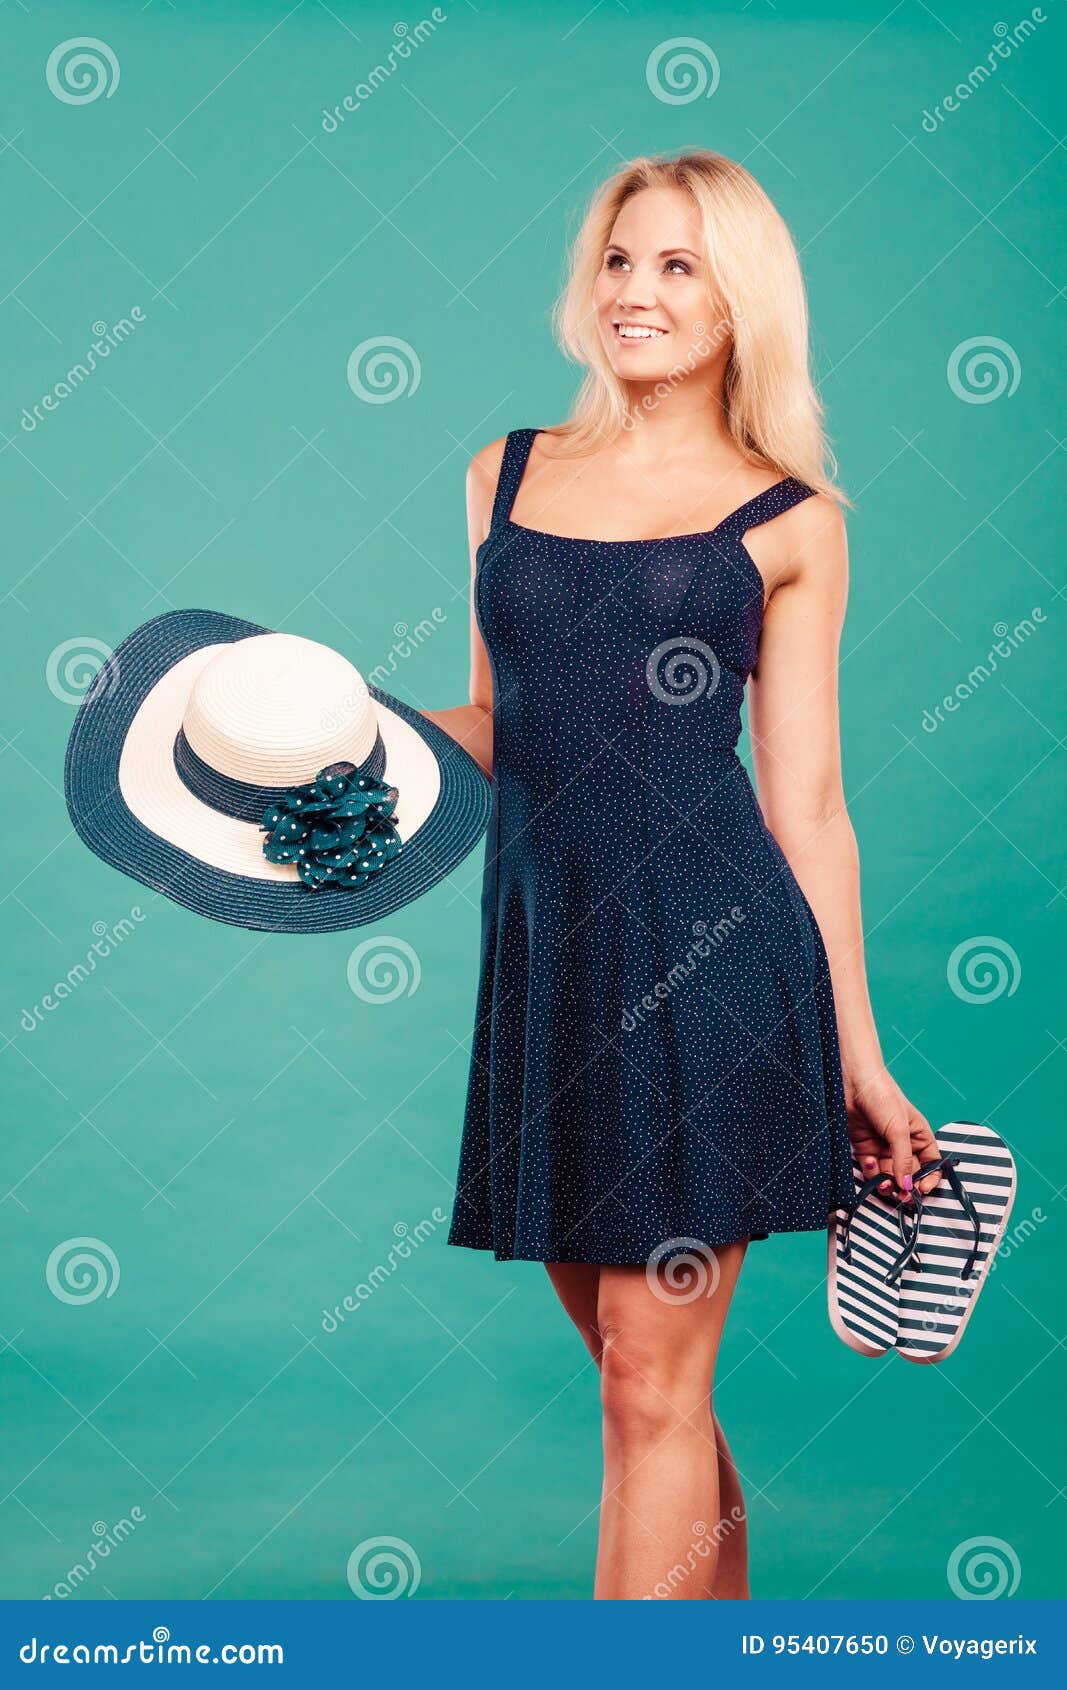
(576, 1285)
(667, 1323)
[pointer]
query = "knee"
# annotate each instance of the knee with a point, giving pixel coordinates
(637, 1400)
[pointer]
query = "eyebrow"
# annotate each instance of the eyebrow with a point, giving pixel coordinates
(668, 252)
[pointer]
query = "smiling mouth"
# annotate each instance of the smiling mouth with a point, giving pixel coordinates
(637, 331)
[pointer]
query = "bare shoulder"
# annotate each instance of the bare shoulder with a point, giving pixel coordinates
(483, 471)
(819, 521)
(816, 544)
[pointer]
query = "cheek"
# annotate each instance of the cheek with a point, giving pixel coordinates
(605, 291)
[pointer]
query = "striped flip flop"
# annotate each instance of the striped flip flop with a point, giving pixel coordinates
(867, 1254)
(955, 1232)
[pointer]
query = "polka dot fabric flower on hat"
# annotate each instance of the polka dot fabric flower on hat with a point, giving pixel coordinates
(338, 830)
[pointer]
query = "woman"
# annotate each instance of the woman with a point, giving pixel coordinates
(674, 1043)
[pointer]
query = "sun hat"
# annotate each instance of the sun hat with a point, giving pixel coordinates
(256, 778)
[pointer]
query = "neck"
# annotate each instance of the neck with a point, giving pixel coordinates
(684, 419)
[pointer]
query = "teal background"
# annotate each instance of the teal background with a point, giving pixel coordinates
(219, 1108)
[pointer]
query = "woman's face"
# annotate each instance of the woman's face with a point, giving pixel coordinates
(652, 297)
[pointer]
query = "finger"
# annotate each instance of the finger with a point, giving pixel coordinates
(902, 1161)
(926, 1149)
(885, 1163)
(865, 1149)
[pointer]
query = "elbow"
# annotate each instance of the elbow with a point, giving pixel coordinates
(798, 826)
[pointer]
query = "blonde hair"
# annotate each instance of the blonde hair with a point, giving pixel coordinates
(772, 409)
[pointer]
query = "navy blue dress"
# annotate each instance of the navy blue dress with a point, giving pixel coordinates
(655, 1056)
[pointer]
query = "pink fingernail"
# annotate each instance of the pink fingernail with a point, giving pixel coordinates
(906, 1182)
(869, 1162)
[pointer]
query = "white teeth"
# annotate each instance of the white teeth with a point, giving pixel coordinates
(631, 331)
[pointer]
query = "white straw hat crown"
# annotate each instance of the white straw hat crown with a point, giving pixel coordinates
(275, 709)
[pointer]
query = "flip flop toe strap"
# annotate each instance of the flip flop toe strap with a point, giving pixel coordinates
(947, 1165)
(910, 1239)
(898, 1265)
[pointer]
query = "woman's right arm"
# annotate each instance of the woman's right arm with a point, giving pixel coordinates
(472, 724)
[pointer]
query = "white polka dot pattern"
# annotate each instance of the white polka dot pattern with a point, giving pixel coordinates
(655, 1052)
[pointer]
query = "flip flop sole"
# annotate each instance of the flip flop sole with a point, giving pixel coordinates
(863, 1308)
(935, 1302)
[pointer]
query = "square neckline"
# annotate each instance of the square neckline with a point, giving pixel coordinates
(655, 539)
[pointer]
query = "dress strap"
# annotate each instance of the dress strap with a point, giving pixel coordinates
(516, 452)
(781, 497)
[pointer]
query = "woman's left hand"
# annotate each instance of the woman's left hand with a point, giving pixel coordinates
(887, 1132)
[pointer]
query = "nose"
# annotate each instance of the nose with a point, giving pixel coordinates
(636, 292)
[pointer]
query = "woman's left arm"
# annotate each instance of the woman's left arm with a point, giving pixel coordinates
(793, 717)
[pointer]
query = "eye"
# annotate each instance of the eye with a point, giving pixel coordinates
(613, 260)
(683, 268)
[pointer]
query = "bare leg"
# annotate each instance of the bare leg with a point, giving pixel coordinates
(721, 1552)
